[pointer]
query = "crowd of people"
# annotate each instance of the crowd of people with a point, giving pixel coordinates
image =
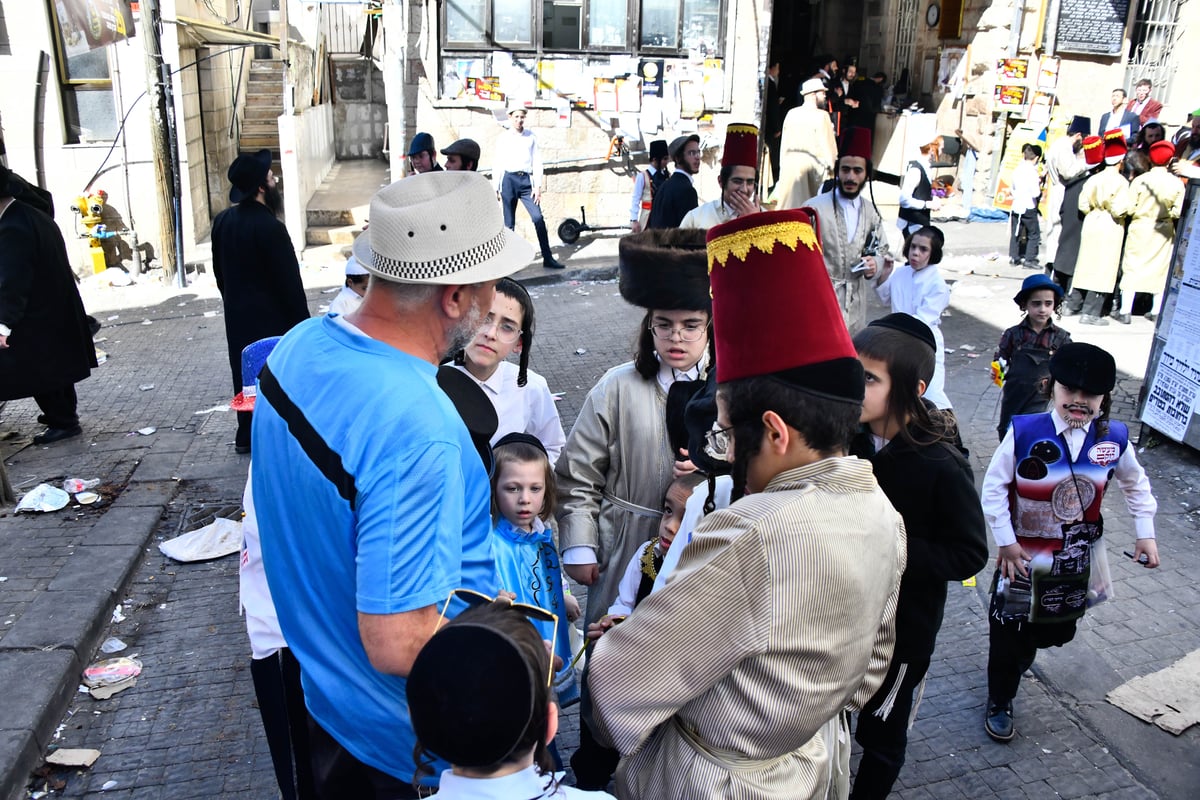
(766, 509)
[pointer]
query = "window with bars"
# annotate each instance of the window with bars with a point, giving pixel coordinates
(906, 37)
(650, 27)
(1156, 33)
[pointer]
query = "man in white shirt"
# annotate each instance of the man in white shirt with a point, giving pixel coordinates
(738, 180)
(646, 184)
(517, 175)
(853, 240)
(1023, 215)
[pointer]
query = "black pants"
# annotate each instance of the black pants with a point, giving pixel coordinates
(338, 775)
(593, 763)
(518, 186)
(1012, 647)
(1063, 280)
(58, 407)
(1028, 224)
(885, 739)
(285, 720)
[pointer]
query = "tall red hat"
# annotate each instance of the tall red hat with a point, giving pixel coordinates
(1093, 150)
(1114, 146)
(1161, 153)
(774, 309)
(856, 142)
(741, 146)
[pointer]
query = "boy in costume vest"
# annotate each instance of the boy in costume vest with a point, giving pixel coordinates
(1041, 497)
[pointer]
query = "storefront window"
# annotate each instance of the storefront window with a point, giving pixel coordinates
(702, 25)
(608, 23)
(466, 21)
(660, 23)
(513, 22)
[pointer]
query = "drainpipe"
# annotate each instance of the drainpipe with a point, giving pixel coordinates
(395, 33)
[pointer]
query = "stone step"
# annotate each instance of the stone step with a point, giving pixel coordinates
(260, 127)
(332, 217)
(331, 234)
(253, 143)
(258, 112)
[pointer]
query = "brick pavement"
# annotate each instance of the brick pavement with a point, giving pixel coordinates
(189, 729)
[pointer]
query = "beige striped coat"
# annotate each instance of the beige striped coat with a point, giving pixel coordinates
(731, 682)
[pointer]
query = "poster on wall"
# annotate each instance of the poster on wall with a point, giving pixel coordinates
(1010, 70)
(1025, 133)
(1094, 27)
(1040, 109)
(1047, 79)
(89, 24)
(952, 67)
(1172, 383)
(1010, 97)
(651, 71)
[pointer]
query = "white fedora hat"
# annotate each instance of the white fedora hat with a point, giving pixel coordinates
(440, 227)
(812, 86)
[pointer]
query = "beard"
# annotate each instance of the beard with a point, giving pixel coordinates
(273, 199)
(1194, 140)
(823, 104)
(1086, 420)
(846, 193)
(461, 334)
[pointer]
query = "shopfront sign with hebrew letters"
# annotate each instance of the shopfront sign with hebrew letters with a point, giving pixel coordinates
(1093, 27)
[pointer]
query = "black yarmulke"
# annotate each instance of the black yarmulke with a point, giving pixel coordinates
(907, 323)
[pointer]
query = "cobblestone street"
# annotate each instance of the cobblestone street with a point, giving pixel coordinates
(189, 728)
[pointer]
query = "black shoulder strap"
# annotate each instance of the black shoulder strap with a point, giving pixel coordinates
(320, 453)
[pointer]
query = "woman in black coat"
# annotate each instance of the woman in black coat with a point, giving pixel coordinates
(45, 344)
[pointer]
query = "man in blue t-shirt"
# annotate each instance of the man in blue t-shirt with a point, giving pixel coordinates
(372, 502)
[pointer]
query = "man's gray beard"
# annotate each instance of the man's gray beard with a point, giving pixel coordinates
(462, 333)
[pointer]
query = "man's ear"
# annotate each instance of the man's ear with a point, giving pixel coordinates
(454, 301)
(776, 433)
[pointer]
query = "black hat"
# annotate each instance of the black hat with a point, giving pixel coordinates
(467, 148)
(907, 323)
(421, 143)
(698, 417)
(517, 437)
(665, 269)
(476, 410)
(247, 173)
(1084, 366)
(658, 149)
(471, 694)
(1081, 125)
(1032, 284)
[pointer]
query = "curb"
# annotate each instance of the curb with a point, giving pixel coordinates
(43, 655)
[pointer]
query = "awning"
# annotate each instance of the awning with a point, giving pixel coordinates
(201, 33)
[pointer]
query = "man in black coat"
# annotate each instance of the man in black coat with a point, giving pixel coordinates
(255, 267)
(678, 195)
(45, 344)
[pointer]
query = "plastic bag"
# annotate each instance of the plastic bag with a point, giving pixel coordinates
(221, 537)
(44, 497)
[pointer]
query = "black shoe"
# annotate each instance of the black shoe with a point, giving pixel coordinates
(998, 721)
(1088, 319)
(1124, 319)
(553, 263)
(242, 449)
(1014, 262)
(1151, 316)
(41, 418)
(51, 435)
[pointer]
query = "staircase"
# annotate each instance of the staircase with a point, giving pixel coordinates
(264, 106)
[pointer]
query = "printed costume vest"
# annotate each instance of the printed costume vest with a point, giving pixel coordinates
(1045, 496)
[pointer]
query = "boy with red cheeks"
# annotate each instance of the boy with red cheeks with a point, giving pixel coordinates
(1041, 497)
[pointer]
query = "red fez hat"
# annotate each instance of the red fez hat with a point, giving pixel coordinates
(774, 309)
(741, 146)
(1093, 150)
(1161, 153)
(856, 142)
(1114, 146)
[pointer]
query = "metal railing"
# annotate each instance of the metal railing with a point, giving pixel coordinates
(343, 25)
(1156, 33)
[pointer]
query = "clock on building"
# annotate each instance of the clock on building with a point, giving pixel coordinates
(933, 14)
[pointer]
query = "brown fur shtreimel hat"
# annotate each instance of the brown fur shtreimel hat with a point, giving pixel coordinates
(665, 269)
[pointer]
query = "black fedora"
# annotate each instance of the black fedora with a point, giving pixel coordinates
(247, 173)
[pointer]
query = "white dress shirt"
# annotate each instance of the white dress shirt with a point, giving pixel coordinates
(851, 210)
(523, 409)
(1001, 473)
(923, 294)
(517, 152)
(528, 783)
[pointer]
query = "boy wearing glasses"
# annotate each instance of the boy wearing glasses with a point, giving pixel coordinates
(521, 396)
(738, 180)
(781, 613)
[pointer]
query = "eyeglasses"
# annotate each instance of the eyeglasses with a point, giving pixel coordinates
(506, 332)
(474, 598)
(716, 442)
(691, 332)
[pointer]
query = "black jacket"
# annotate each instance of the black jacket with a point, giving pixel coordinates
(934, 490)
(50, 346)
(259, 278)
(673, 201)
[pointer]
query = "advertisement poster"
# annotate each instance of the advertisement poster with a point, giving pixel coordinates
(89, 24)
(652, 77)
(1010, 97)
(1023, 134)
(1040, 109)
(1012, 69)
(1048, 74)
(485, 89)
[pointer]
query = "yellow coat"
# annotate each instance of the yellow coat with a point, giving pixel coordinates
(1105, 203)
(1156, 200)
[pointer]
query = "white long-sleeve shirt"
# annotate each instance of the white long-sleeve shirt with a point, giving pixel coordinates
(1001, 473)
(523, 409)
(923, 294)
(1026, 187)
(517, 152)
(639, 188)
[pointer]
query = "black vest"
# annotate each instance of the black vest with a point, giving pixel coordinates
(924, 191)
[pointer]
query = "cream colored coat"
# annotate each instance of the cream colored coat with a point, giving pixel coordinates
(1156, 201)
(732, 680)
(841, 253)
(616, 460)
(808, 150)
(1105, 202)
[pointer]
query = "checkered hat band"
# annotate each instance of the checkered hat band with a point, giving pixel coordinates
(425, 270)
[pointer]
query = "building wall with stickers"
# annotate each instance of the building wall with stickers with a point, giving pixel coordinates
(694, 70)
